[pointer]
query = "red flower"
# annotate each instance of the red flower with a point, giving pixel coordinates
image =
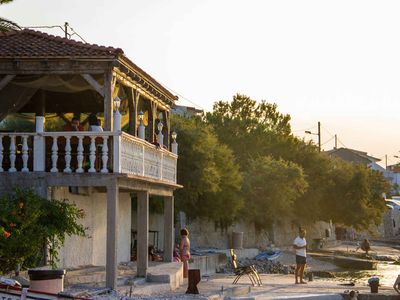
(13, 224)
(6, 233)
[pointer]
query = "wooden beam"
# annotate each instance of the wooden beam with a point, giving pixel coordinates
(108, 101)
(126, 80)
(167, 116)
(132, 106)
(94, 84)
(153, 106)
(6, 80)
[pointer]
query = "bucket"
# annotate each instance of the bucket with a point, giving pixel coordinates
(50, 281)
(374, 286)
(237, 240)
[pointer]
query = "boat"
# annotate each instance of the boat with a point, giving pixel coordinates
(11, 290)
(269, 255)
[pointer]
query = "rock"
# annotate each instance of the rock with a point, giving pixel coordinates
(262, 266)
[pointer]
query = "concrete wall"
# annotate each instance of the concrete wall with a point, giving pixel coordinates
(91, 250)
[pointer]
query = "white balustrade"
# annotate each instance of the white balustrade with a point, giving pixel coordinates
(139, 157)
(68, 149)
(92, 156)
(12, 155)
(169, 167)
(25, 155)
(131, 155)
(152, 163)
(80, 155)
(54, 155)
(135, 156)
(104, 156)
(9, 152)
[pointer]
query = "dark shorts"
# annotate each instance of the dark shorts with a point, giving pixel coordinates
(301, 260)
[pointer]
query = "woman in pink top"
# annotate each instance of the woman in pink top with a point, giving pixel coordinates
(185, 251)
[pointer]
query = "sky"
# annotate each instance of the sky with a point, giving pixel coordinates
(336, 62)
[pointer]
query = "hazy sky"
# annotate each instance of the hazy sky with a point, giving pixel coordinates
(337, 62)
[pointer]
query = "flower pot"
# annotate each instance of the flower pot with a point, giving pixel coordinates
(50, 281)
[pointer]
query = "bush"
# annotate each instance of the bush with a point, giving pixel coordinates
(28, 223)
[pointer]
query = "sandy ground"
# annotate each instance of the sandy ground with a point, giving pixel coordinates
(274, 286)
(283, 286)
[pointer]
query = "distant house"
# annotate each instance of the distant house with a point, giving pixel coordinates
(187, 111)
(362, 158)
(356, 156)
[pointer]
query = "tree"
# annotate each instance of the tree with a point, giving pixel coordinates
(247, 127)
(271, 187)
(7, 25)
(334, 189)
(28, 222)
(355, 195)
(208, 172)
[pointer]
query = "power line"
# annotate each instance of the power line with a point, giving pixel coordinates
(309, 128)
(340, 142)
(181, 96)
(328, 140)
(64, 29)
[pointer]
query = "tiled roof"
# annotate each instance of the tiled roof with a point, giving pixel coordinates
(30, 43)
(352, 155)
(35, 44)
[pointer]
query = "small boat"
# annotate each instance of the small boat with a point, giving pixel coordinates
(269, 255)
(11, 290)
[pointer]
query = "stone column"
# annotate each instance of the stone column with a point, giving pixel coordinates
(112, 235)
(142, 233)
(168, 228)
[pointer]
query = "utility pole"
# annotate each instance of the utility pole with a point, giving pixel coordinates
(385, 161)
(319, 136)
(335, 141)
(66, 29)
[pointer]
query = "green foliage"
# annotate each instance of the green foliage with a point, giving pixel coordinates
(271, 187)
(328, 188)
(355, 195)
(208, 172)
(16, 123)
(28, 222)
(247, 127)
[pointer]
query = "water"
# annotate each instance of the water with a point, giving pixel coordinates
(386, 272)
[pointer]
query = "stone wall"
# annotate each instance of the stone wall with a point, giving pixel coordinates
(204, 234)
(391, 223)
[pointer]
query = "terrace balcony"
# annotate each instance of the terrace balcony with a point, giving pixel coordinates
(86, 152)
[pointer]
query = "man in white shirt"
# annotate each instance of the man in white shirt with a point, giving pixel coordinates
(300, 244)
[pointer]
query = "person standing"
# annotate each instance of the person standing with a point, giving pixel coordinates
(185, 251)
(300, 244)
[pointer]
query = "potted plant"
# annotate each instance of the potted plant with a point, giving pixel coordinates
(28, 224)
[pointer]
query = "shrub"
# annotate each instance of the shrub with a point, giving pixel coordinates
(28, 223)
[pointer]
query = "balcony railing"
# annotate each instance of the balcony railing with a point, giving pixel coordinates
(85, 152)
